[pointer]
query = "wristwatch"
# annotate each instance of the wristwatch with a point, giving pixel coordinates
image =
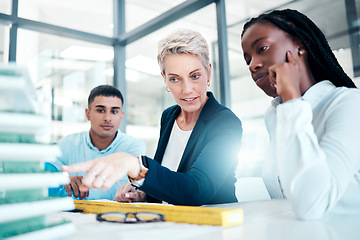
(144, 167)
(143, 162)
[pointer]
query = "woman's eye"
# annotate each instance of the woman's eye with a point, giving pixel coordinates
(173, 80)
(114, 111)
(263, 48)
(196, 76)
(100, 110)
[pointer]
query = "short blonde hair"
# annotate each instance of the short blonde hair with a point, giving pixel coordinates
(184, 41)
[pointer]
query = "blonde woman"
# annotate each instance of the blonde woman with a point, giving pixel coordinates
(197, 152)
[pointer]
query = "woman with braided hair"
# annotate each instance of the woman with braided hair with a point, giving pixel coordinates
(313, 122)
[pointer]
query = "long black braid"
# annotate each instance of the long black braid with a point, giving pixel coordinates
(322, 62)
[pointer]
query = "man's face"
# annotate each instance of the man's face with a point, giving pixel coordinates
(105, 116)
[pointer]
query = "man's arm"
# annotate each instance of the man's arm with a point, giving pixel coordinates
(56, 165)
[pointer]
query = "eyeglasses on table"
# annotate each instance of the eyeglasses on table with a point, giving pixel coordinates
(121, 217)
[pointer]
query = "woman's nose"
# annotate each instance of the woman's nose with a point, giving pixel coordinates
(255, 65)
(187, 86)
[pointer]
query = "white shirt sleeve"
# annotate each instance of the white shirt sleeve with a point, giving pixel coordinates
(315, 168)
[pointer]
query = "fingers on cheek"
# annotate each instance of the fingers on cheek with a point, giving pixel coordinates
(272, 73)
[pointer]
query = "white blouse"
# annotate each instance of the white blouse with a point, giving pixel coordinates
(314, 156)
(175, 147)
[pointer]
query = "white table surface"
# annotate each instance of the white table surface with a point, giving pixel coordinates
(270, 219)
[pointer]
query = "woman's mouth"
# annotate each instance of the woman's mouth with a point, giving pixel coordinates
(261, 78)
(189, 99)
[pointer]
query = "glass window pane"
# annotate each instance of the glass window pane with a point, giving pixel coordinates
(239, 11)
(5, 6)
(4, 43)
(64, 71)
(85, 15)
(147, 10)
(147, 97)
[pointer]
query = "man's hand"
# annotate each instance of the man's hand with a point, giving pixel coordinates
(75, 183)
(126, 193)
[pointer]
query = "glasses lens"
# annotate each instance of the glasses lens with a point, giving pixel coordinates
(147, 217)
(113, 217)
(120, 217)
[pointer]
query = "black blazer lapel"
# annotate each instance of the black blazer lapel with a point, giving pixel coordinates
(205, 115)
(186, 161)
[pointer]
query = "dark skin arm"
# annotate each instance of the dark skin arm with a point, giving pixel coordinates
(75, 183)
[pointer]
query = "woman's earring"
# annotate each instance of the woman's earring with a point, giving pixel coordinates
(301, 52)
(167, 89)
(208, 83)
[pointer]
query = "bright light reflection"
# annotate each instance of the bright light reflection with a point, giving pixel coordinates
(88, 53)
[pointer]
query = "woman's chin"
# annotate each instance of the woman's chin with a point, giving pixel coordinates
(270, 92)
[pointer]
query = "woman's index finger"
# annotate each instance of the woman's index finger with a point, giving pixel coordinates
(289, 57)
(79, 167)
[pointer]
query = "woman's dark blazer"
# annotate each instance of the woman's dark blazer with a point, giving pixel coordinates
(206, 173)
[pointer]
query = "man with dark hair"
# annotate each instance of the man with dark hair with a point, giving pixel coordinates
(105, 114)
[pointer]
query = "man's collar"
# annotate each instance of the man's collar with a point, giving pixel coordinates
(91, 145)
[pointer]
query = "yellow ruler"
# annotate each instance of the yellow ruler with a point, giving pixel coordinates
(180, 214)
